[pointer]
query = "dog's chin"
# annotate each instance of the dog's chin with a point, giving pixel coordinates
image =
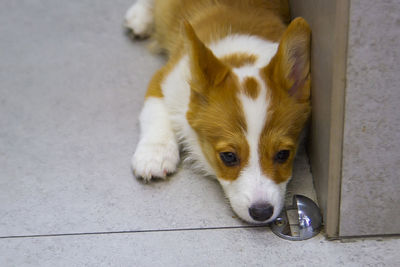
(253, 222)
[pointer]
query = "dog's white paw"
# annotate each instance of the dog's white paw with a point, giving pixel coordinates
(139, 18)
(155, 160)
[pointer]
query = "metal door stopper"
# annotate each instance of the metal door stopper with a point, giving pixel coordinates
(300, 221)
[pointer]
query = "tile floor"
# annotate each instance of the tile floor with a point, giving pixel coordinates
(71, 87)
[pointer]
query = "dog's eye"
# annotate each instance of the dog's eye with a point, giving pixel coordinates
(229, 158)
(282, 156)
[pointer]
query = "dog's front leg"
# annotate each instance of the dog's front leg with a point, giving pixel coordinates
(157, 153)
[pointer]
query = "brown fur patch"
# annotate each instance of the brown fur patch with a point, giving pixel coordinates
(288, 78)
(251, 87)
(219, 122)
(238, 60)
(286, 118)
(214, 112)
(281, 132)
(290, 67)
(154, 88)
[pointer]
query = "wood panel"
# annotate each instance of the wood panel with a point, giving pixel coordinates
(329, 23)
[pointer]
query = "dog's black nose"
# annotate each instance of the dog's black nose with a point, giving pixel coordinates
(261, 211)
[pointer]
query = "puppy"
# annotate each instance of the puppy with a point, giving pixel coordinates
(234, 94)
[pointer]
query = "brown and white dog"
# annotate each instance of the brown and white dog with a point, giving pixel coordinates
(234, 94)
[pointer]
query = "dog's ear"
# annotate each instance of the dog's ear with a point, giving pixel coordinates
(207, 71)
(290, 67)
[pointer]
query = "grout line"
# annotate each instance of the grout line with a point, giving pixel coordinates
(135, 231)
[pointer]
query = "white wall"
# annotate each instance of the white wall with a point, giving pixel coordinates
(370, 195)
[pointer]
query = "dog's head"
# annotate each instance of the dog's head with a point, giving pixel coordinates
(248, 119)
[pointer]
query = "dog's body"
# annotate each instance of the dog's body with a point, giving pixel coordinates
(234, 94)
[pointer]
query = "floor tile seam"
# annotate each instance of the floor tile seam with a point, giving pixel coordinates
(134, 231)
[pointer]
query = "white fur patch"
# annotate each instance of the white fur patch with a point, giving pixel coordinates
(157, 153)
(264, 50)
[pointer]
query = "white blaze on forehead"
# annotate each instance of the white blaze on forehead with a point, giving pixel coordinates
(255, 110)
(253, 185)
(255, 113)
